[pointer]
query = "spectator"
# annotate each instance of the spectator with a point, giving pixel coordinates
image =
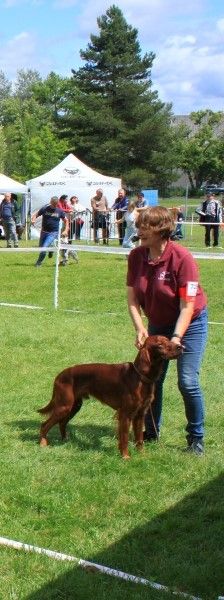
(64, 204)
(19, 226)
(51, 215)
(120, 206)
(141, 202)
(130, 217)
(77, 221)
(163, 282)
(211, 213)
(100, 210)
(178, 217)
(8, 210)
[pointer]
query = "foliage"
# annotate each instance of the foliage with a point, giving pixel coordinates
(32, 145)
(5, 86)
(122, 127)
(2, 150)
(108, 114)
(26, 79)
(201, 152)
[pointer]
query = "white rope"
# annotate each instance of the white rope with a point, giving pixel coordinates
(90, 566)
(22, 306)
(92, 249)
(104, 250)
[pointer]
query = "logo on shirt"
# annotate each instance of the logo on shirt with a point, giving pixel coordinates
(164, 276)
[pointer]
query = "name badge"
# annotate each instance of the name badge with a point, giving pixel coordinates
(192, 287)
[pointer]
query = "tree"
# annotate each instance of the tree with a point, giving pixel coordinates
(31, 142)
(53, 94)
(2, 150)
(120, 125)
(201, 153)
(26, 78)
(5, 86)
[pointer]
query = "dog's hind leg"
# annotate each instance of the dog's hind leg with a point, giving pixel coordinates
(63, 423)
(45, 427)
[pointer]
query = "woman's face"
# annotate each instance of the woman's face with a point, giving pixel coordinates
(148, 236)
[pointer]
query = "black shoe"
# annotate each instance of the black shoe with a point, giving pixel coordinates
(195, 445)
(50, 254)
(148, 437)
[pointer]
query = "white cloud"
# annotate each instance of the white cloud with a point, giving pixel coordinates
(21, 52)
(17, 3)
(65, 3)
(190, 74)
(220, 25)
(186, 38)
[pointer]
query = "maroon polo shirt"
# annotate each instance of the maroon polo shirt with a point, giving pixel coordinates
(160, 284)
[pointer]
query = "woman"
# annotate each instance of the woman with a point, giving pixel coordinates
(77, 220)
(129, 218)
(162, 281)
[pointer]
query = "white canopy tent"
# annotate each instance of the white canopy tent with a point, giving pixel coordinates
(10, 185)
(15, 187)
(73, 178)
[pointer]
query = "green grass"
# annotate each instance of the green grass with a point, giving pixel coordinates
(159, 516)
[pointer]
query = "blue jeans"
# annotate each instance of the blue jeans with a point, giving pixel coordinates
(188, 365)
(9, 227)
(46, 239)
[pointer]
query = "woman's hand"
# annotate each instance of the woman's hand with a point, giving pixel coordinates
(141, 336)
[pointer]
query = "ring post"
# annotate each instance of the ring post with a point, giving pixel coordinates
(56, 273)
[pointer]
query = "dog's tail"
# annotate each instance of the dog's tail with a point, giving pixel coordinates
(49, 407)
(46, 409)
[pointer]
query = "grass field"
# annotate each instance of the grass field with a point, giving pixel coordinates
(159, 516)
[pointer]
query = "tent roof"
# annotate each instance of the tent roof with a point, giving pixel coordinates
(72, 168)
(10, 185)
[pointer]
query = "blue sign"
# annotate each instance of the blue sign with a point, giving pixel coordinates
(151, 197)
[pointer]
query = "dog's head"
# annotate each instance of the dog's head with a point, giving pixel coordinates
(155, 350)
(161, 346)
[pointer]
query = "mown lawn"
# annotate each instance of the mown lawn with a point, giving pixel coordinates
(159, 516)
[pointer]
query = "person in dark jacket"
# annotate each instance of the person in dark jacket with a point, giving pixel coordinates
(120, 205)
(51, 215)
(7, 214)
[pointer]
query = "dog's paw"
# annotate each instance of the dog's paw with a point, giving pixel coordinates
(43, 442)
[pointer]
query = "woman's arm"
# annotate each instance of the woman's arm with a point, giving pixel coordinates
(135, 314)
(184, 319)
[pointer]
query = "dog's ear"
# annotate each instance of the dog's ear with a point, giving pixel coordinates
(143, 360)
(156, 345)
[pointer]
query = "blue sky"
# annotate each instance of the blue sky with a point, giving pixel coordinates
(186, 36)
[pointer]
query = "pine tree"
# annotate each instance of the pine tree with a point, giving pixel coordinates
(120, 124)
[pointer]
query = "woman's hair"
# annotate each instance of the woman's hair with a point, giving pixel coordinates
(131, 204)
(158, 218)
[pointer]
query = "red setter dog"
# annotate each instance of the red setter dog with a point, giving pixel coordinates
(127, 387)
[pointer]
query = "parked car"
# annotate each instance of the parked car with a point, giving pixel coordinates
(212, 188)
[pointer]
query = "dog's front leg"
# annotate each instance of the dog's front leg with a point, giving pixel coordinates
(138, 423)
(123, 432)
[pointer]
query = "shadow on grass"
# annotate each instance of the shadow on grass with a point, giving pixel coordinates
(182, 549)
(83, 437)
